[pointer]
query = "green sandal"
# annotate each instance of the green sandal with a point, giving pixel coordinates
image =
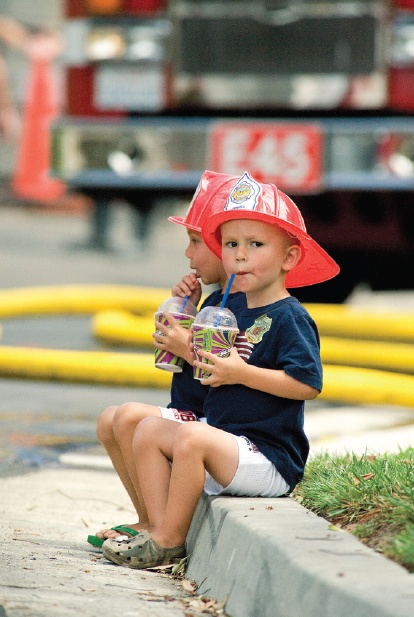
(95, 541)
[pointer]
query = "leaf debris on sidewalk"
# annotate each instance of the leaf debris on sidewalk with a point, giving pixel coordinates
(194, 604)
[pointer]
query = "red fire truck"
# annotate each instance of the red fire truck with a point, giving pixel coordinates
(316, 96)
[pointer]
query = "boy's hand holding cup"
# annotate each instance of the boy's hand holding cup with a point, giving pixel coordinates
(184, 313)
(214, 330)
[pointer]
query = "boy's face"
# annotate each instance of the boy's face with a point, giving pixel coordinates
(260, 254)
(207, 266)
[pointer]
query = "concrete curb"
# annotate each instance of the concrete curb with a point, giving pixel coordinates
(273, 557)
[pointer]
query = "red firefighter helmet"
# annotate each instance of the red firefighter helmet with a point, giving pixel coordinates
(208, 197)
(249, 199)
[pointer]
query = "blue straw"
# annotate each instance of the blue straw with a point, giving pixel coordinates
(185, 300)
(225, 296)
(226, 293)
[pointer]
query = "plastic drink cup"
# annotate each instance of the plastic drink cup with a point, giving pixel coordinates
(215, 330)
(184, 312)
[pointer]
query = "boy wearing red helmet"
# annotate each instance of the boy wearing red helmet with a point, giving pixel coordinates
(116, 424)
(254, 443)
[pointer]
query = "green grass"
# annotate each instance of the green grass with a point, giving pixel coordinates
(371, 497)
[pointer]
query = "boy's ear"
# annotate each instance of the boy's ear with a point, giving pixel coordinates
(293, 256)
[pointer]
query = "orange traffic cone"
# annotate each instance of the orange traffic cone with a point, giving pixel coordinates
(31, 178)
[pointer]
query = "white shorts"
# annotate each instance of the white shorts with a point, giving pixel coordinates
(169, 413)
(256, 476)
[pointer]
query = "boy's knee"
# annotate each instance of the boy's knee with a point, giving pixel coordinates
(189, 436)
(104, 425)
(149, 425)
(127, 416)
(147, 432)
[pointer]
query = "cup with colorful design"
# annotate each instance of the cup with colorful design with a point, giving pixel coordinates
(214, 330)
(184, 312)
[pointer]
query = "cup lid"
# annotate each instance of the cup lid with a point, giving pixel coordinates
(175, 304)
(216, 317)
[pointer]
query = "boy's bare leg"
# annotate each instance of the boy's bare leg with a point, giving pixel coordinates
(153, 447)
(172, 493)
(106, 435)
(115, 430)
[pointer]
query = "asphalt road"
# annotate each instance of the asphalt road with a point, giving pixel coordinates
(43, 422)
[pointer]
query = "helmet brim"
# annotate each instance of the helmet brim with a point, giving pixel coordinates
(179, 220)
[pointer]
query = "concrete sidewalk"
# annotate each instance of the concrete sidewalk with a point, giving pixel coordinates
(47, 567)
(268, 557)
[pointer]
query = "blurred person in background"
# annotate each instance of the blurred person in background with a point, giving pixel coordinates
(34, 45)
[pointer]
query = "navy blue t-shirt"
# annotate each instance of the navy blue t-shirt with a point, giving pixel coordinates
(187, 393)
(278, 336)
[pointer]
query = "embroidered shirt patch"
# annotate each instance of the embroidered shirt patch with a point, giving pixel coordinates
(255, 333)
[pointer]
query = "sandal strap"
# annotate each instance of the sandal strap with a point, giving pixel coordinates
(95, 541)
(126, 529)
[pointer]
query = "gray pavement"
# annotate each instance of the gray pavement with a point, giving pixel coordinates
(266, 557)
(48, 569)
(49, 247)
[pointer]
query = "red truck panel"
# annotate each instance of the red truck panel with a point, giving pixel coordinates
(80, 93)
(83, 8)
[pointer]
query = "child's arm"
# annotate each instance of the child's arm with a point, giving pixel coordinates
(42, 45)
(174, 338)
(234, 370)
(9, 117)
(12, 32)
(188, 286)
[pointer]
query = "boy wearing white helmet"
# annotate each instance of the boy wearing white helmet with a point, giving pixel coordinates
(116, 424)
(254, 443)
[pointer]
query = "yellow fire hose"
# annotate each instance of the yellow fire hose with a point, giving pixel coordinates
(363, 386)
(333, 320)
(345, 384)
(397, 357)
(123, 328)
(78, 299)
(355, 379)
(362, 323)
(110, 368)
